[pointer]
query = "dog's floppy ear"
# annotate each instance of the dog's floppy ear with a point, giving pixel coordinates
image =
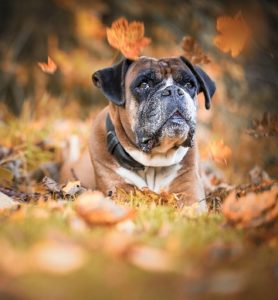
(112, 81)
(206, 85)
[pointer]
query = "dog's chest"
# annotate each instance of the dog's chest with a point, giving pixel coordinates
(154, 178)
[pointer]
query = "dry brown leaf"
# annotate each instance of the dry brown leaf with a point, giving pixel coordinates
(151, 259)
(220, 152)
(267, 126)
(73, 188)
(95, 209)
(191, 211)
(50, 67)
(51, 185)
(234, 34)
(193, 51)
(127, 37)
(252, 209)
(56, 257)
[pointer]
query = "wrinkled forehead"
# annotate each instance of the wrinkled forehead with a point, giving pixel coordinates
(162, 68)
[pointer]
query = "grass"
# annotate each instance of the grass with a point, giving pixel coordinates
(48, 252)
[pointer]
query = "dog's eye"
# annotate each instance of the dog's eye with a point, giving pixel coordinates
(189, 85)
(143, 85)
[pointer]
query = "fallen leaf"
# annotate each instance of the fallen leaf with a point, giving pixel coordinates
(191, 211)
(150, 259)
(234, 34)
(7, 202)
(51, 185)
(127, 37)
(258, 175)
(73, 188)
(50, 67)
(267, 126)
(193, 51)
(252, 209)
(95, 209)
(56, 257)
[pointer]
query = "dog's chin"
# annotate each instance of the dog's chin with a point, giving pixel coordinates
(174, 132)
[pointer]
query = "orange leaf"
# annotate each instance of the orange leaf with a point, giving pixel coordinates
(50, 67)
(252, 209)
(220, 152)
(151, 259)
(193, 51)
(56, 257)
(234, 34)
(127, 37)
(97, 210)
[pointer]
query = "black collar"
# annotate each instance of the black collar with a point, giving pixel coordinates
(116, 149)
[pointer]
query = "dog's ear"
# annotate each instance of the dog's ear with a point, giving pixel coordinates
(112, 81)
(206, 85)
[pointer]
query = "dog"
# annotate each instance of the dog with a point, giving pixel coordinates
(145, 137)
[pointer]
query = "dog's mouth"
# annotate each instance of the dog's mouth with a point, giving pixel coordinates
(176, 118)
(176, 125)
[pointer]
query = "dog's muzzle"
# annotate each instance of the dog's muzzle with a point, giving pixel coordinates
(166, 114)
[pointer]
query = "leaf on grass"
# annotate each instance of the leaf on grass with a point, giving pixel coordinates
(150, 259)
(220, 152)
(73, 188)
(146, 195)
(193, 51)
(50, 67)
(258, 175)
(56, 257)
(51, 185)
(6, 202)
(95, 209)
(234, 34)
(191, 211)
(252, 209)
(267, 126)
(127, 37)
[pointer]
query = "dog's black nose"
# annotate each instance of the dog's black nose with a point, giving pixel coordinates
(172, 91)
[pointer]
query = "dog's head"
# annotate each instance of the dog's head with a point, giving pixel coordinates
(158, 97)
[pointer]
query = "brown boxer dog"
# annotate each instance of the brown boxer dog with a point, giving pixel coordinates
(145, 137)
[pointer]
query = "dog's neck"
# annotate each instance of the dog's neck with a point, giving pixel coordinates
(128, 152)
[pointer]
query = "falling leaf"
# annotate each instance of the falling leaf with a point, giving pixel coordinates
(88, 25)
(95, 209)
(234, 34)
(219, 151)
(151, 259)
(252, 209)
(267, 126)
(193, 51)
(127, 37)
(50, 67)
(57, 256)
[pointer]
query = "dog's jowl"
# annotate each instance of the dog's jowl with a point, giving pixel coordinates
(146, 135)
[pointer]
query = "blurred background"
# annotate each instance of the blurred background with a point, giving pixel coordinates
(73, 34)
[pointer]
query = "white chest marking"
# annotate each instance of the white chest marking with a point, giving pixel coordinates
(154, 178)
(174, 156)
